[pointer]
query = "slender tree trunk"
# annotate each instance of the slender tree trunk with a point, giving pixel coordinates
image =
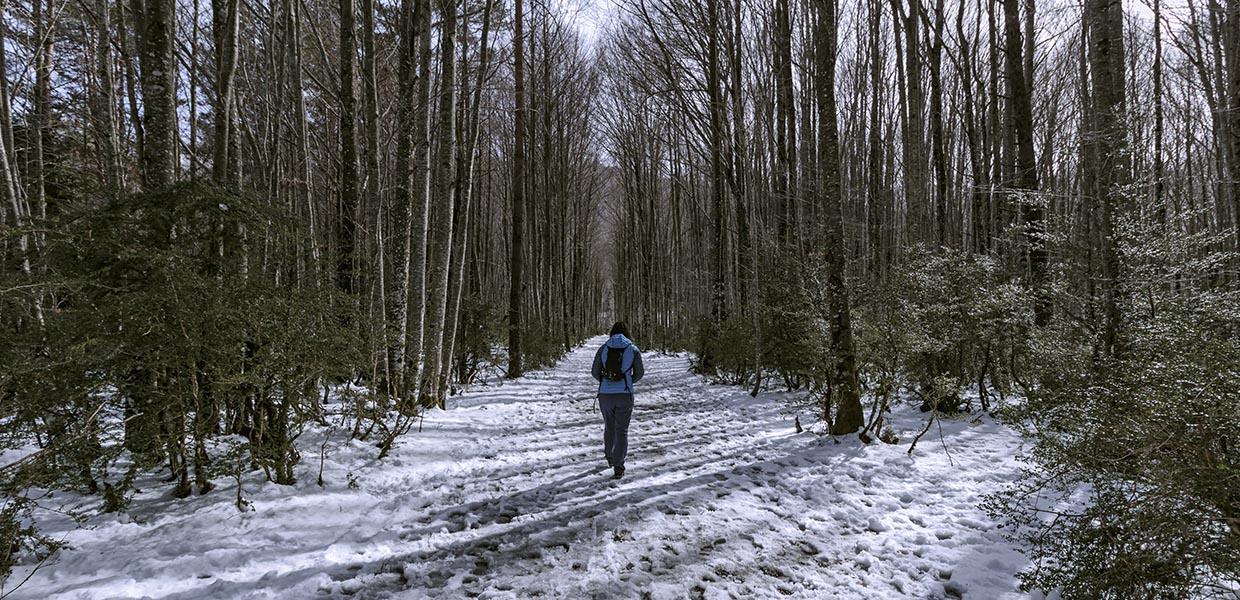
(402, 224)
(785, 126)
(9, 181)
(846, 386)
(347, 207)
(1159, 201)
(131, 80)
(444, 196)
(103, 109)
(517, 253)
(719, 263)
(225, 24)
(300, 158)
(420, 210)
(1231, 44)
(875, 207)
(373, 199)
(466, 172)
(938, 141)
(915, 200)
(40, 134)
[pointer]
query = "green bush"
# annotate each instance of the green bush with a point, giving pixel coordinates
(945, 320)
(796, 339)
(1133, 487)
(482, 329)
(162, 328)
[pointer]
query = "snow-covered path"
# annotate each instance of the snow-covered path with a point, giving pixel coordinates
(506, 495)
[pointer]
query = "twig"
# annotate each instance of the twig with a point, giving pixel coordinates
(933, 413)
(944, 442)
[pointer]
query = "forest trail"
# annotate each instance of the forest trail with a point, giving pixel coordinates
(507, 495)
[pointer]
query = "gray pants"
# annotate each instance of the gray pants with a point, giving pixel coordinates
(617, 410)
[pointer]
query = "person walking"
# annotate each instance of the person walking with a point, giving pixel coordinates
(617, 366)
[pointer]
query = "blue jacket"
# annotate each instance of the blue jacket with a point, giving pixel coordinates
(631, 365)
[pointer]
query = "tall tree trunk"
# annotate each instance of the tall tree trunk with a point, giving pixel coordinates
(373, 211)
(978, 171)
(1020, 118)
(466, 172)
(9, 181)
(347, 207)
(131, 80)
(1159, 201)
(225, 24)
(444, 197)
(398, 309)
(915, 199)
(875, 207)
(785, 126)
(1105, 22)
(1231, 44)
(714, 84)
(40, 134)
(938, 141)
(516, 261)
(103, 109)
(157, 40)
(846, 386)
(413, 177)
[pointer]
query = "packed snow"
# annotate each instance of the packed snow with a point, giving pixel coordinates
(507, 495)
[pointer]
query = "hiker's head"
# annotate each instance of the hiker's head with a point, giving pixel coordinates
(620, 328)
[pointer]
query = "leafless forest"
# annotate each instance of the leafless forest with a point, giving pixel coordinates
(216, 213)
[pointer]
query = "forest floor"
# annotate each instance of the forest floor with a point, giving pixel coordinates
(507, 495)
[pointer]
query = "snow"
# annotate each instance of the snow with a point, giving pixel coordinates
(507, 495)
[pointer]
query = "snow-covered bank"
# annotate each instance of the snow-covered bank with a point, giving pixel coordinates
(507, 495)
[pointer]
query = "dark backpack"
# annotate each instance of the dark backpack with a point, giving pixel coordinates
(613, 362)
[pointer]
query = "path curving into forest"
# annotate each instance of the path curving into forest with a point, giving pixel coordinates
(506, 495)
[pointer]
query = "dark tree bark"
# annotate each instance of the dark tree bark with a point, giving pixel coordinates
(785, 175)
(915, 167)
(1108, 136)
(718, 183)
(516, 263)
(225, 23)
(1020, 119)
(1231, 46)
(845, 385)
(157, 41)
(938, 135)
(347, 206)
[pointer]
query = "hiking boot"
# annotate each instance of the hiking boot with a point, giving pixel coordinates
(619, 473)
(609, 465)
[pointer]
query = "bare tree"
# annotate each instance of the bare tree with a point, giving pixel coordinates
(516, 263)
(846, 387)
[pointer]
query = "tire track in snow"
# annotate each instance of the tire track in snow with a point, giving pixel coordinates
(506, 495)
(720, 499)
